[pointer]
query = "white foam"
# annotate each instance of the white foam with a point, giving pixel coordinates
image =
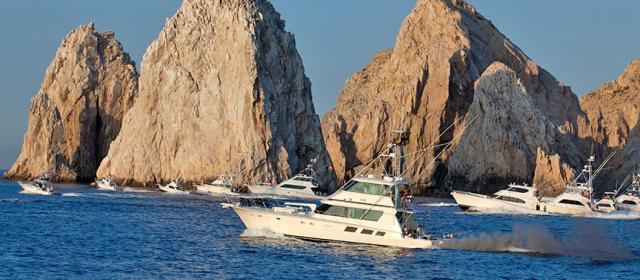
(439, 204)
(71, 194)
(263, 233)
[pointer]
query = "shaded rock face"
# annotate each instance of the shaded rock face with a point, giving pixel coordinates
(614, 111)
(551, 174)
(508, 133)
(426, 84)
(78, 109)
(222, 89)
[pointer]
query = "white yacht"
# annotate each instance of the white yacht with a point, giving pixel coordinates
(222, 185)
(40, 186)
(175, 187)
(302, 185)
(366, 210)
(107, 184)
(516, 198)
(577, 198)
(606, 204)
(630, 198)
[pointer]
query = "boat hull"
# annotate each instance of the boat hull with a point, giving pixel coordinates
(28, 188)
(472, 201)
(214, 190)
(105, 186)
(557, 208)
(305, 227)
(172, 191)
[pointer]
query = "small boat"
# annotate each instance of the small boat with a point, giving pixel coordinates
(302, 185)
(577, 198)
(175, 187)
(516, 198)
(606, 204)
(107, 184)
(370, 209)
(41, 186)
(221, 186)
(630, 198)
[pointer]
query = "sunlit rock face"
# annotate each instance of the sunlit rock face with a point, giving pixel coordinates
(425, 84)
(78, 109)
(614, 114)
(222, 90)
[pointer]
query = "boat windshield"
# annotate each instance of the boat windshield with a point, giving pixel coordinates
(367, 188)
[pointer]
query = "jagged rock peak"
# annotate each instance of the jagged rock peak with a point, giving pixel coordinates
(79, 107)
(222, 90)
(426, 82)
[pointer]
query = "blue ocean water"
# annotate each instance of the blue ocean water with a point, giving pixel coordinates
(89, 234)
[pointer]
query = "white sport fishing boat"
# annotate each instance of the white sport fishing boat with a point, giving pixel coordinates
(221, 186)
(515, 199)
(577, 199)
(40, 186)
(366, 210)
(630, 198)
(606, 204)
(107, 184)
(302, 185)
(175, 187)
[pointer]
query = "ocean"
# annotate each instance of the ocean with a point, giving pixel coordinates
(90, 234)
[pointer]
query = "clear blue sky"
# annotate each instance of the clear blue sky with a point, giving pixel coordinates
(582, 42)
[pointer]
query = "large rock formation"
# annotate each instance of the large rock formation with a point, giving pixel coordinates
(222, 89)
(79, 108)
(614, 111)
(426, 84)
(509, 135)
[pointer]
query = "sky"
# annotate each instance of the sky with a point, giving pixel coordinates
(583, 43)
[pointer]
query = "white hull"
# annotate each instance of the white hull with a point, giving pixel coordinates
(172, 191)
(478, 202)
(628, 202)
(309, 228)
(105, 186)
(557, 208)
(213, 189)
(274, 191)
(28, 188)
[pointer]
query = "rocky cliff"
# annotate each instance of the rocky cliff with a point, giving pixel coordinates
(222, 89)
(614, 111)
(426, 84)
(78, 109)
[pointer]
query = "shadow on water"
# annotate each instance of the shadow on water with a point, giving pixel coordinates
(587, 240)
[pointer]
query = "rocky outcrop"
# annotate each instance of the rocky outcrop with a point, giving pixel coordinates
(551, 174)
(614, 108)
(222, 89)
(507, 135)
(78, 109)
(614, 111)
(426, 84)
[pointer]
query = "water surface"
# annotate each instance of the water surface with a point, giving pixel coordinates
(89, 234)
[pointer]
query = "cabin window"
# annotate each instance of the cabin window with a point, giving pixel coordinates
(518, 190)
(380, 233)
(367, 231)
(604, 205)
(350, 229)
(629, 202)
(510, 199)
(367, 188)
(293, 187)
(572, 202)
(304, 179)
(349, 212)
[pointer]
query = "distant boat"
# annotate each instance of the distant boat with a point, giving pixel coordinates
(175, 187)
(221, 186)
(516, 198)
(107, 184)
(40, 186)
(607, 203)
(630, 198)
(302, 185)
